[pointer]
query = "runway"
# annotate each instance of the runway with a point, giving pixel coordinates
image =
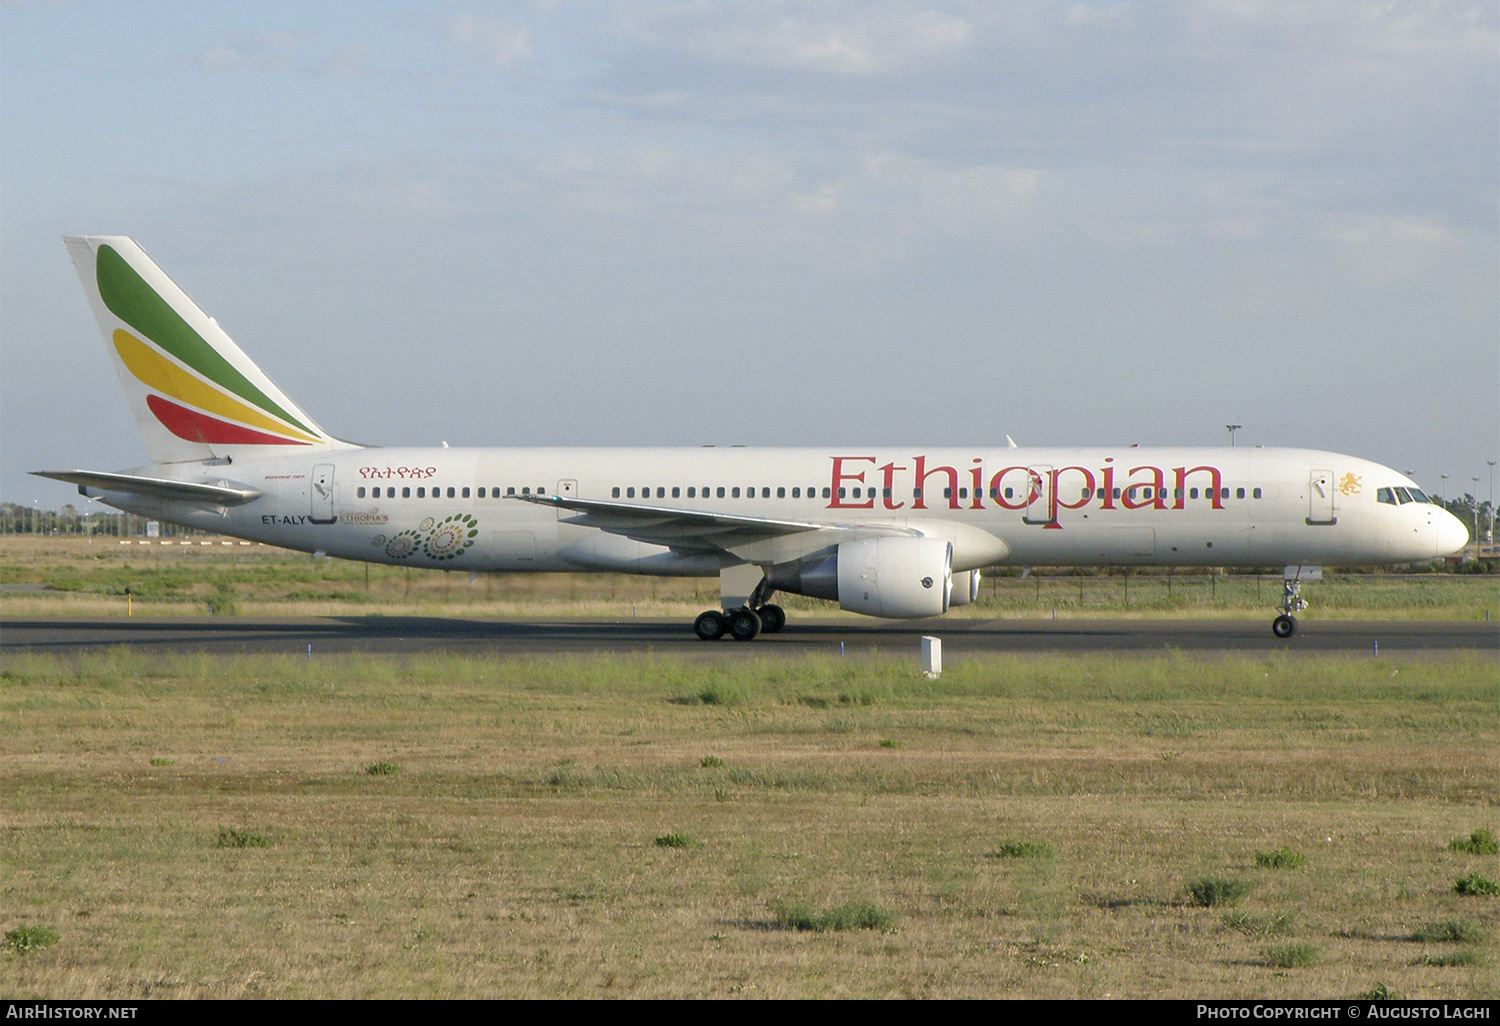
(392, 635)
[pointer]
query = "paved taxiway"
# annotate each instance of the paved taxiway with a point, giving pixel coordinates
(414, 635)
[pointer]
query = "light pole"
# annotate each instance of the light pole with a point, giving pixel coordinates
(1475, 497)
(1490, 535)
(1232, 429)
(1445, 489)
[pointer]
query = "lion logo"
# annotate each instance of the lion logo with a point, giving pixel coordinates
(1349, 484)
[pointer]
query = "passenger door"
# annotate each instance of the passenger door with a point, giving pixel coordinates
(321, 493)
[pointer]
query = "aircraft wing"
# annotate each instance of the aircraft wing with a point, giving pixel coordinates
(685, 530)
(155, 487)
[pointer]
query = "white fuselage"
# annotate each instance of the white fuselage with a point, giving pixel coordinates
(459, 508)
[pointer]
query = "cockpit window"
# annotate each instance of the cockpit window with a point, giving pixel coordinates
(1404, 495)
(1385, 495)
(1417, 495)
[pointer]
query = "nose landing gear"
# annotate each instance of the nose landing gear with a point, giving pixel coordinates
(1285, 625)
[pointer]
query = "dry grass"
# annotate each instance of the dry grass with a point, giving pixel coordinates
(75, 577)
(515, 852)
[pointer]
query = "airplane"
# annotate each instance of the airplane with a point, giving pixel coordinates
(887, 531)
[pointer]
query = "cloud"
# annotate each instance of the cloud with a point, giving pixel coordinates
(837, 37)
(351, 60)
(491, 41)
(262, 51)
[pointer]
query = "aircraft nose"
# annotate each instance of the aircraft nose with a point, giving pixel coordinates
(1451, 533)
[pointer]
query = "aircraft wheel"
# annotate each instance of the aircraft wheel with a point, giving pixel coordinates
(744, 624)
(711, 625)
(1283, 626)
(772, 618)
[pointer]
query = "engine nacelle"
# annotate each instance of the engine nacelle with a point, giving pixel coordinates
(965, 587)
(899, 578)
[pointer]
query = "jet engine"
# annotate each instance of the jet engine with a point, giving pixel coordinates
(900, 578)
(965, 587)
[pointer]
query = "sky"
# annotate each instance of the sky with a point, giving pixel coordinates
(762, 222)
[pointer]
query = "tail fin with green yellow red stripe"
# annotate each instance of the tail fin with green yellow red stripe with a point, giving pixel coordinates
(194, 393)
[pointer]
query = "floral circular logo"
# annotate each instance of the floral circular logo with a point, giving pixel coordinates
(451, 537)
(403, 545)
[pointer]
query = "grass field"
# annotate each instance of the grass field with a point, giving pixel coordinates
(76, 577)
(648, 827)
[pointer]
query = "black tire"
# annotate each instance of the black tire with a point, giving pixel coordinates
(1283, 626)
(772, 618)
(711, 626)
(744, 624)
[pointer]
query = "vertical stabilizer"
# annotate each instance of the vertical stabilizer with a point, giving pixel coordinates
(194, 393)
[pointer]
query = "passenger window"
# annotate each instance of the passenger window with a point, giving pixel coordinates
(827, 492)
(661, 492)
(512, 490)
(1192, 493)
(916, 493)
(721, 491)
(614, 493)
(692, 493)
(525, 491)
(780, 493)
(796, 493)
(1239, 493)
(1223, 493)
(841, 493)
(963, 493)
(466, 492)
(1256, 493)
(630, 493)
(406, 493)
(481, 493)
(421, 493)
(734, 493)
(676, 492)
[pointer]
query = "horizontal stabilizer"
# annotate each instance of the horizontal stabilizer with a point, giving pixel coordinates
(155, 487)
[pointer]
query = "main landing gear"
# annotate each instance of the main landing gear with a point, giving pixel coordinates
(1284, 626)
(745, 615)
(741, 624)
